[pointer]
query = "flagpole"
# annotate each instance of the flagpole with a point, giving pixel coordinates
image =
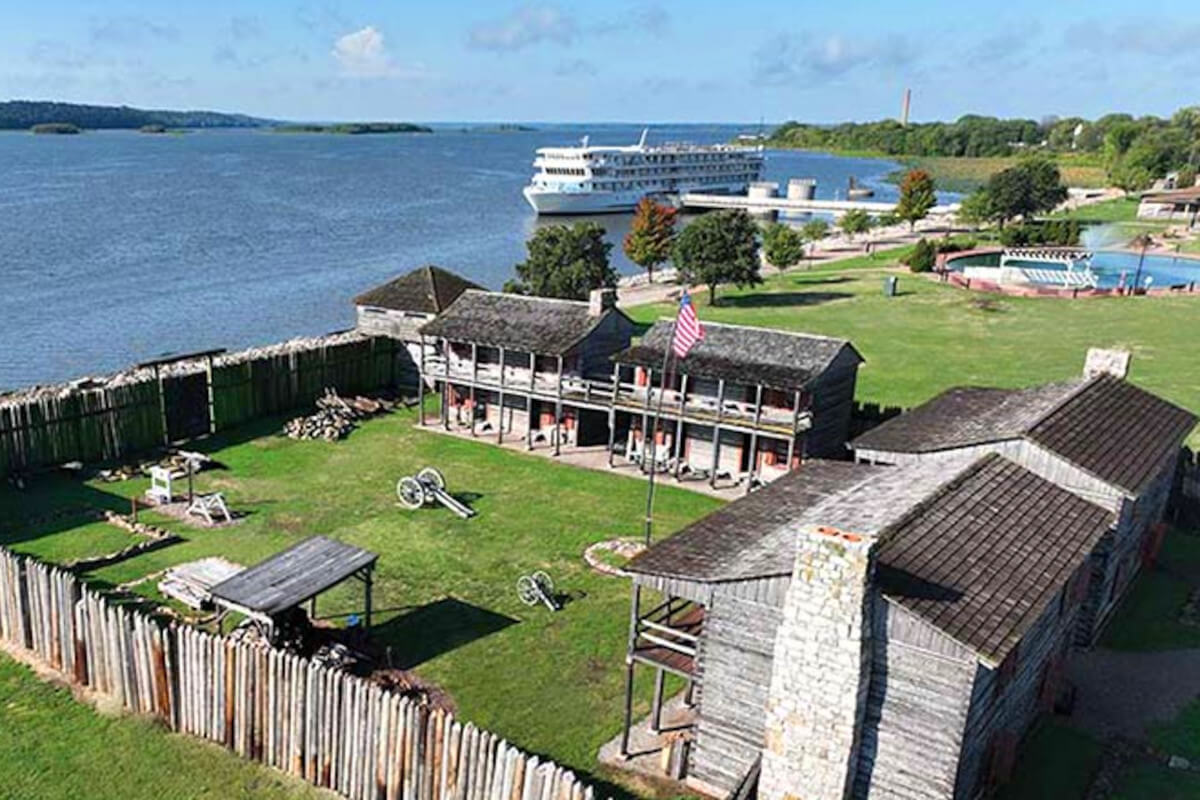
(662, 391)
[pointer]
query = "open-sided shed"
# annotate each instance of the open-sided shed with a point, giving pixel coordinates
(294, 576)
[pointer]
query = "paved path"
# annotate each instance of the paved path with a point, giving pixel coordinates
(1121, 693)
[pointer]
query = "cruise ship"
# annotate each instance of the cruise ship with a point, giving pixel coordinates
(598, 179)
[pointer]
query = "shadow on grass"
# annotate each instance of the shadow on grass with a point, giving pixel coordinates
(781, 299)
(426, 632)
(815, 280)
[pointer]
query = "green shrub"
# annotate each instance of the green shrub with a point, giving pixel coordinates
(922, 257)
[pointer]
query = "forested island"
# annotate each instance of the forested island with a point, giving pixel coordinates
(55, 128)
(24, 114)
(1131, 152)
(354, 128)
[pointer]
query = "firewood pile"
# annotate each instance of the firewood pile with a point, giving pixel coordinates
(335, 416)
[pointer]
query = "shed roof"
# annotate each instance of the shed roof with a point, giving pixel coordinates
(755, 536)
(426, 290)
(737, 541)
(288, 578)
(1106, 426)
(774, 358)
(537, 324)
(1189, 194)
(983, 558)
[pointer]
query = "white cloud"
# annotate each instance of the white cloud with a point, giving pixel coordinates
(363, 54)
(787, 59)
(528, 25)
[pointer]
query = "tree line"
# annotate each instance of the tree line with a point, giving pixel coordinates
(24, 114)
(1135, 151)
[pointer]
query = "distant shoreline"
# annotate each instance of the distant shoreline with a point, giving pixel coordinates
(353, 128)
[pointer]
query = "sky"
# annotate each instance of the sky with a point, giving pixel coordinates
(620, 60)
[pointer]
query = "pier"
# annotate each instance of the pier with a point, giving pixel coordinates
(765, 204)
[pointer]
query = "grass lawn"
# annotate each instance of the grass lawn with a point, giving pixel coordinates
(1057, 762)
(54, 748)
(1120, 209)
(1149, 615)
(934, 336)
(445, 588)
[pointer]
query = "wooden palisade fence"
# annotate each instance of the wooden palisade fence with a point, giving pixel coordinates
(322, 725)
(144, 408)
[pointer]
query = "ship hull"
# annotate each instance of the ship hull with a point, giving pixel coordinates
(547, 203)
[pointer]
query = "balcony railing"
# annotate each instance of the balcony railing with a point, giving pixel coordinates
(701, 408)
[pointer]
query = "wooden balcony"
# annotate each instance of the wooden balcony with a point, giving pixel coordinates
(667, 637)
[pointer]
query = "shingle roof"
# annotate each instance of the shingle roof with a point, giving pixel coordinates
(1105, 426)
(755, 536)
(1115, 431)
(539, 324)
(777, 359)
(290, 577)
(427, 290)
(966, 416)
(738, 540)
(982, 559)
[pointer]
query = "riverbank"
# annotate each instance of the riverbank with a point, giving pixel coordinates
(964, 174)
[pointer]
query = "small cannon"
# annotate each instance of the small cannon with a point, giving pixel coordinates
(537, 588)
(428, 486)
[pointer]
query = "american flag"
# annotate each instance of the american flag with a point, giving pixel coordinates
(687, 328)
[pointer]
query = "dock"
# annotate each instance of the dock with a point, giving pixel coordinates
(766, 204)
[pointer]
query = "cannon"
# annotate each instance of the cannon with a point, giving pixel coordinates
(429, 486)
(537, 588)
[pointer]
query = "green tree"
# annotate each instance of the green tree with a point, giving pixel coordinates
(917, 196)
(566, 262)
(720, 247)
(854, 222)
(1034, 185)
(651, 235)
(814, 231)
(783, 245)
(976, 208)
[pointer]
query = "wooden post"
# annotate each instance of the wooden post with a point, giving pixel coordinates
(683, 382)
(656, 705)
(474, 380)
(633, 623)
(162, 405)
(367, 592)
(716, 440)
(421, 385)
(754, 438)
(500, 416)
(795, 424)
(212, 403)
(445, 384)
(558, 410)
(646, 417)
(612, 413)
(529, 401)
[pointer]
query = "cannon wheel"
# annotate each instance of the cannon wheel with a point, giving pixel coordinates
(432, 475)
(544, 582)
(410, 492)
(527, 590)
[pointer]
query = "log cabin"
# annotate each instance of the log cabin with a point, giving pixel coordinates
(745, 406)
(530, 367)
(864, 631)
(401, 306)
(1099, 436)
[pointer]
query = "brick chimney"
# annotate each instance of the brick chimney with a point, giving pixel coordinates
(822, 668)
(601, 301)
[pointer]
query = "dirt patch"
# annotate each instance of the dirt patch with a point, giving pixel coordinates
(410, 685)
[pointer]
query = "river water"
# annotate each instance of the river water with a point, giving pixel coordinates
(117, 247)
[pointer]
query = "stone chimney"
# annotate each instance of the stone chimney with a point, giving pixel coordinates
(601, 301)
(1100, 361)
(822, 668)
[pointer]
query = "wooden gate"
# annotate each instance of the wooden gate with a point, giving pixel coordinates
(186, 398)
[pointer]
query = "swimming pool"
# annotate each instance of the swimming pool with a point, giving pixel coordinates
(1162, 271)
